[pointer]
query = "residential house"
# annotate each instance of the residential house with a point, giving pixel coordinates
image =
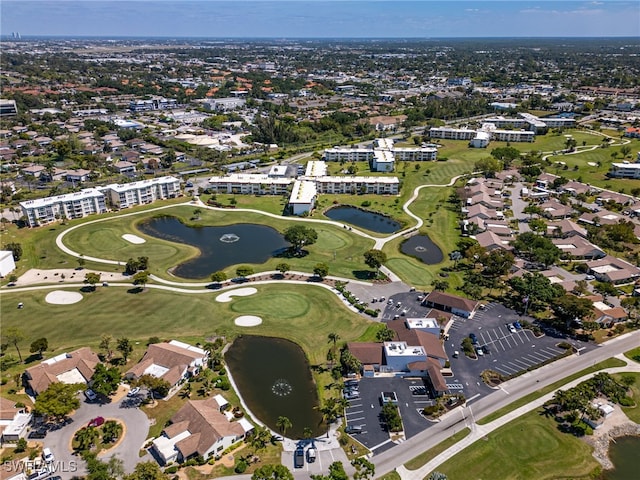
(174, 362)
(199, 429)
(446, 302)
(79, 175)
(577, 247)
(491, 241)
(14, 421)
(614, 270)
(554, 209)
(124, 167)
(74, 367)
(565, 228)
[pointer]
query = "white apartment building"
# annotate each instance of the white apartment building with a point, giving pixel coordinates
(249, 184)
(374, 185)
(382, 161)
(348, 154)
(513, 135)
(452, 133)
(625, 170)
(316, 168)
(303, 197)
(42, 211)
(154, 103)
(142, 192)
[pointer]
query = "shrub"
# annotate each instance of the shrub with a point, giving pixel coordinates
(172, 469)
(366, 203)
(371, 313)
(241, 466)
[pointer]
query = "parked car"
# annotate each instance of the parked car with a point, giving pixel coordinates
(351, 396)
(486, 350)
(473, 338)
(352, 383)
(90, 394)
(47, 455)
(479, 351)
(133, 392)
(353, 429)
(96, 422)
(38, 433)
(456, 354)
(39, 474)
(298, 458)
(311, 454)
(517, 325)
(512, 329)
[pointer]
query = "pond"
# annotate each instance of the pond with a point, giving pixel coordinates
(279, 386)
(219, 247)
(624, 455)
(375, 222)
(421, 247)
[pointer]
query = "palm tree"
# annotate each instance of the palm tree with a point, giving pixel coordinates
(333, 337)
(307, 432)
(283, 423)
(86, 438)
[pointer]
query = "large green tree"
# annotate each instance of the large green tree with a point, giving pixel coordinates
(105, 380)
(38, 346)
(272, 472)
(58, 401)
(123, 345)
(300, 236)
(147, 471)
(13, 335)
(375, 258)
(536, 248)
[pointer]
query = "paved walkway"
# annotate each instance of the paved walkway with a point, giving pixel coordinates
(480, 431)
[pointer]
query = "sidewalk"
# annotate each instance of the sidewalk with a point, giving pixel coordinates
(480, 431)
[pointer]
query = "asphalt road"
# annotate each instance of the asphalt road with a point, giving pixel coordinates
(508, 393)
(136, 430)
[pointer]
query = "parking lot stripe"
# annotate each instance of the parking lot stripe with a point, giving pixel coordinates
(355, 419)
(379, 445)
(503, 369)
(353, 413)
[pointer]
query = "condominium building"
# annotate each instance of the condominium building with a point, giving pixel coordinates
(381, 161)
(348, 154)
(142, 192)
(155, 103)
(452, 133)
(513, 135)
(249, 184)
(374, 185)
(303, 197)
(625, 170)
(42, 211)
(316, 168)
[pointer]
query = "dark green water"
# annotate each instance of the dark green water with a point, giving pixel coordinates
(274, 379)
(219, 247)
(625, 455)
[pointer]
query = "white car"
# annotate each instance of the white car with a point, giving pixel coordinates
(133, 392)
(512, 329)
(47, 455)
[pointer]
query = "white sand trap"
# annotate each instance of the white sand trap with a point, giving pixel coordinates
(248, 321)
(62, 297)
(240, 292)
(133, 238)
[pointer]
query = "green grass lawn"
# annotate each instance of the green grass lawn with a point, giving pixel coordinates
(341, 249)
(424, 457)
(609, 363)
(632, 412)
(530, 447)
(303, 314)
(633, 354)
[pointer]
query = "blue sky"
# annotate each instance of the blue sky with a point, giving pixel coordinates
(321, 18)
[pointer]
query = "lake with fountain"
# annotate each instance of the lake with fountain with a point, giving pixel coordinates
(274, 379)
(421, 247)
(220, 247)
(357, 217)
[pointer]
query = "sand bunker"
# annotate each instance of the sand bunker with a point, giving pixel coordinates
(247, 321)
(62, 297)
(133, 238)
(240, 292)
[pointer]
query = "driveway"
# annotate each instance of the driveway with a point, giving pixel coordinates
(135, 434)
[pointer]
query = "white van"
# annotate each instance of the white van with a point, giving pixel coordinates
(311, 455)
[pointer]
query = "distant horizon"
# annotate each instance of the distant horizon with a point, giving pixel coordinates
(321, 19)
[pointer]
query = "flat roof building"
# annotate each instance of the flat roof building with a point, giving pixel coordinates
(303, 197)
(42, 211)
(143, 192)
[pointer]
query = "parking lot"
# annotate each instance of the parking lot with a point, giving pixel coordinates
(403, 304)
(365, 410)
(508, 352)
